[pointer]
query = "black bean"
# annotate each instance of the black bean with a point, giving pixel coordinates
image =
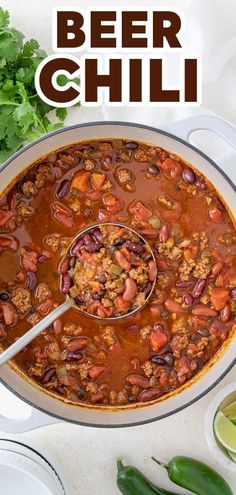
(4, 296)
(118, 158)
(31, 280)
(79, 300)
(233, 293)
(81, 394)
(48, 375)
(74, 356)
(63, 189)
(103, 278)
(76, 246)
(131, 145)
(188, 176)
(169, 359)
(194, 337)
(66, 283)
(119, 241)
(157, 360)
(97, 234)
(97, 296)
(204, 332)
(153, 169)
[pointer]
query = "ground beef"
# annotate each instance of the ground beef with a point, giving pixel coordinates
(29, 189)
(22, 300)
(202, 268)
(42, 293)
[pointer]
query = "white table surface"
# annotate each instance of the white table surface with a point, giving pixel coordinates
(87, 456)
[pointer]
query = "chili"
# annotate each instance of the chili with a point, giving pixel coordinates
(131, 481)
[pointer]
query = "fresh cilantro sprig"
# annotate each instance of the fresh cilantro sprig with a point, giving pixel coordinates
(23, 115)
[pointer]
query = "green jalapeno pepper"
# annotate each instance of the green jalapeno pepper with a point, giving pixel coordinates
(131, 481)
(195, 476)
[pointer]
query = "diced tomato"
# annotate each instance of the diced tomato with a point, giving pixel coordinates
(173, 167)
(112, 203)
(97, 180)
(5, 215)
(29, 260)
(80, 180)
(8, 242)
(122, 305)
(140, 211)
(215, 214)
(62, 214)
(171, 215)
(219, 297)
(158, 339)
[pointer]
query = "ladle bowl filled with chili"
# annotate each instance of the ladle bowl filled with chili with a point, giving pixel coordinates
(117, 189)
(110, 271)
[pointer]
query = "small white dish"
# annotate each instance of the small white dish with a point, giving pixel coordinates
(224, 397)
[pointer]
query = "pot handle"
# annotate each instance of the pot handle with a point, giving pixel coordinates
(184, 128)
(37, 419)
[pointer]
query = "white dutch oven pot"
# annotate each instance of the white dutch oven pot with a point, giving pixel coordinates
(206, 379)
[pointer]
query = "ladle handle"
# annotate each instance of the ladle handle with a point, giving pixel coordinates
(23, 341)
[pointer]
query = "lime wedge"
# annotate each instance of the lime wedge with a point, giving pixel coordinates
(230, 411)
(231, 455)
(225, 431)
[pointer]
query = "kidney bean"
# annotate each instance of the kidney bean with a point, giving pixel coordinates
(64, 265)
(130, 289)
(150, 233)
(183, 284)
(66, 283)
(169, 359)
(45, 307)
(74, 356)
(4, 296)
(96, 232)
(76, 246)
(225, 313)
(77, 344)
(106, 162)
(216, 269)
(150, 394)
(102, 278)
(79, 300)
(152, 270)
(157, 360)
(32, 280)
(233, 293)
(42, 258)
(188, 299)
(131, 145)
(134, 247)
(158, 327)
(153, 169)
(199, 288)
(93, 247)
(147, 289)
(9, 313)
(138, 381)
(96, 398)
(202, 310)
(63, 189)
(96, 371)
(122, 261)
(134, 328)
(119, 241)
(174, 307)
(48, 375)
(57, 327)
(164, 233)
(200, 183)
(155, 309)
(87, 239)
(101, 312)
(188, 176)
(87, 212)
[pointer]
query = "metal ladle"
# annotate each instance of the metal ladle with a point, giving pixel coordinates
(23, 341)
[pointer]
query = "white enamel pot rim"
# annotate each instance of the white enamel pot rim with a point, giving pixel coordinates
(55, 409)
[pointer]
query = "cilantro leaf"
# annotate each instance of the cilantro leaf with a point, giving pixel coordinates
(23, 115)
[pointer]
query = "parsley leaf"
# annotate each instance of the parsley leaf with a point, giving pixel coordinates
(23, 115)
